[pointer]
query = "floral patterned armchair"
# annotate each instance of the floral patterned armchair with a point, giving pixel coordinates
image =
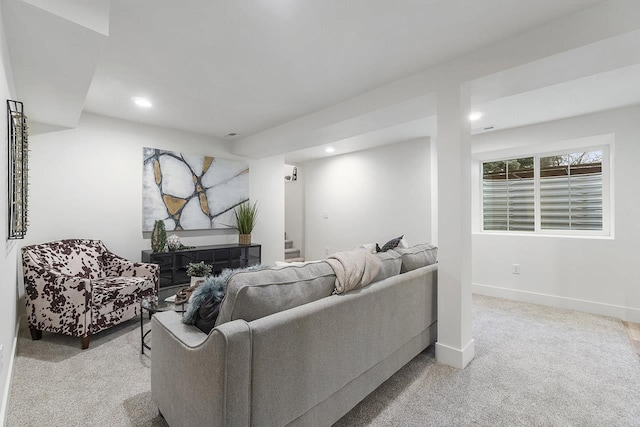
(77, 287)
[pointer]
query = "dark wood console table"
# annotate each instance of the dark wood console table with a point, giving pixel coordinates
(173, 265)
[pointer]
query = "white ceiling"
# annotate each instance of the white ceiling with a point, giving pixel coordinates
(214, 67)
(607, 90)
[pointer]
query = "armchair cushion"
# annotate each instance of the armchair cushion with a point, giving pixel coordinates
(115, 266)
(112, 293)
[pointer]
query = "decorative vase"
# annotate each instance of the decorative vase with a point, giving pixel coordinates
(173, 242)
(158, 236)
(245, 239)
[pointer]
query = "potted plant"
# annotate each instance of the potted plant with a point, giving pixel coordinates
(246, 218)
(198, 271)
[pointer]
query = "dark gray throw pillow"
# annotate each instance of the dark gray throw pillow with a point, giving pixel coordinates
(208, 314)
(391, 244)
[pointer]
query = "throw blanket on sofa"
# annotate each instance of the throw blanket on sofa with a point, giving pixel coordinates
(354, 269)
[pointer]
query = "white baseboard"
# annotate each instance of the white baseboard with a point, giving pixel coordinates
(7, 386)
(458, 358)
(621, 312)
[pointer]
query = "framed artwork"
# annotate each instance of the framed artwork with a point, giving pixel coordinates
(18, 169)
(191, 192)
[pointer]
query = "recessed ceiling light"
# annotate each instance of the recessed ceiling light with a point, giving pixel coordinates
(329, 149)
(141, 102)
(475, 116)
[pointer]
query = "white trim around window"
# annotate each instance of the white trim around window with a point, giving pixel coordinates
(603, 143)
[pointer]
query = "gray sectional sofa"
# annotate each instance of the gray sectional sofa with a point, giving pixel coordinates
(285, 351)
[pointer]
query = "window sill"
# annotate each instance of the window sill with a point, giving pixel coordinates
(546, 235)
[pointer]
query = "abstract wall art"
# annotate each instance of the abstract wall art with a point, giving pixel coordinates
(191, 192)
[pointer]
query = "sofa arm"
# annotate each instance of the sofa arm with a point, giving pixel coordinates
(57, 302)
(200, 379)
(115, 266)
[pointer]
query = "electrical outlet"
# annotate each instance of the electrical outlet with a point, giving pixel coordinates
(515, 269)
(325, 215)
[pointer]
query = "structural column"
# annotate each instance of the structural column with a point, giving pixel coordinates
(266, 187)
(455, 343)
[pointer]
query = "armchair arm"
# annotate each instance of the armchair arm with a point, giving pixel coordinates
(117, 266)
(58, 302)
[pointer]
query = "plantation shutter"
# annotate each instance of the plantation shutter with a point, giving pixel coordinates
(508, 195)
(571, 191)
(495, 204)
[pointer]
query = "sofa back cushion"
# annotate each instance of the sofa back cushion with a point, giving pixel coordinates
(391, 264)
(417, 256)
(74, 257)
(251, 295)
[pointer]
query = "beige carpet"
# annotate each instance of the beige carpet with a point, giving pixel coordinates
(534, 366)
(57, 384)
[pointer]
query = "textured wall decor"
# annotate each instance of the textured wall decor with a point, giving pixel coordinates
(18, 169)
(191, 192)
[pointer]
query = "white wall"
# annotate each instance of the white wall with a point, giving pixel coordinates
(597, 275)
(370, 196)
(87, 183)
(294, 210)
(8, 248)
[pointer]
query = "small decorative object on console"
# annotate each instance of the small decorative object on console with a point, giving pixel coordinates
(158, 236)
(173, 242)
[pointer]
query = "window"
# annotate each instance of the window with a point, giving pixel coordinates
(508, 188)
(571, 191)
(549, 193)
